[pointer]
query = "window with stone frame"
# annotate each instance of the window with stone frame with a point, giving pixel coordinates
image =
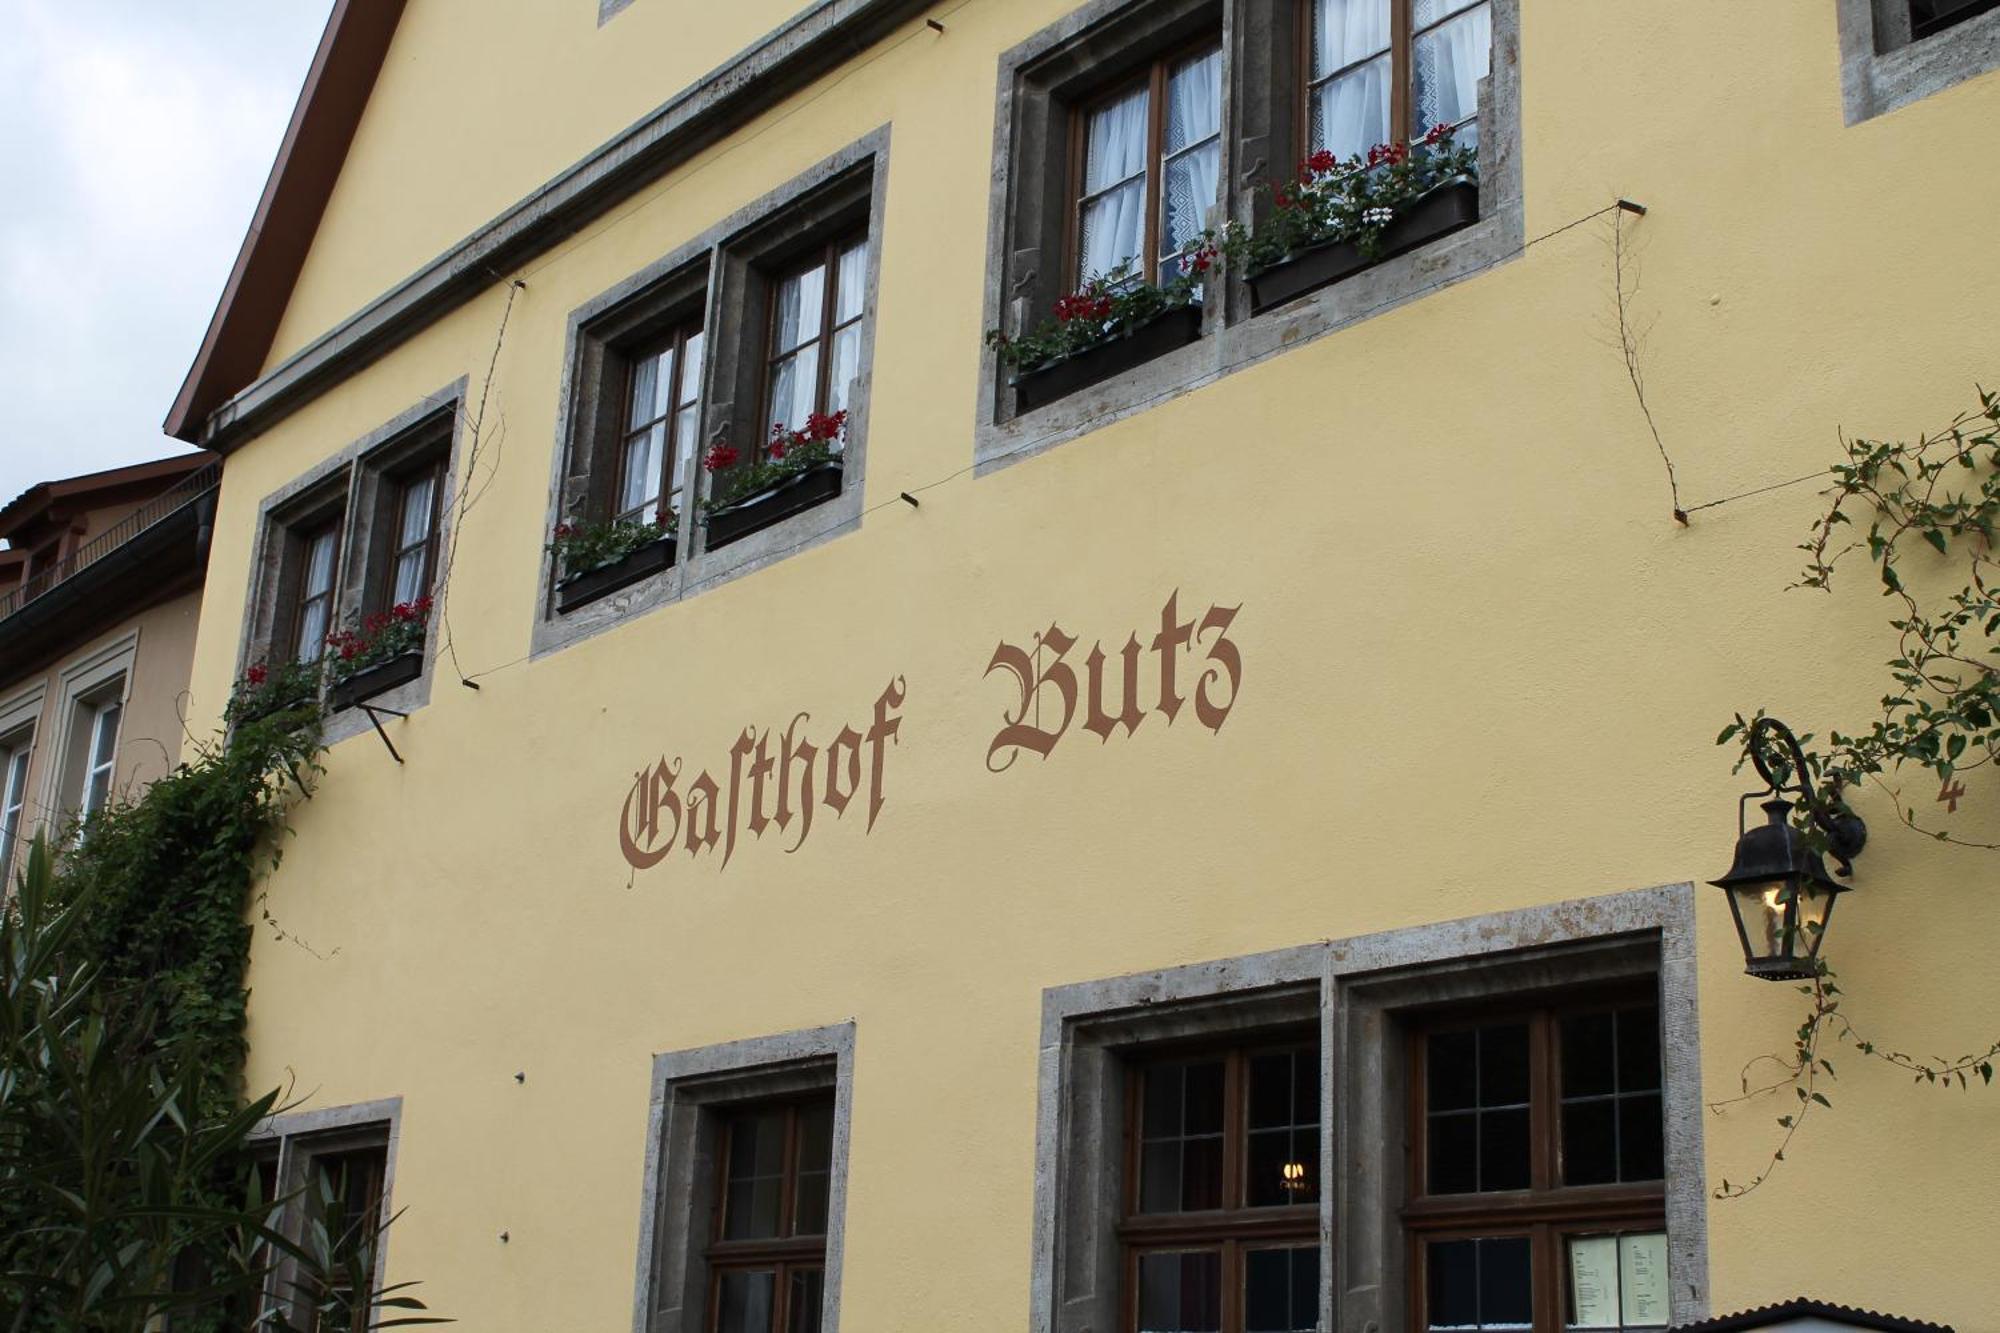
(1220, 1228)
(1895, 52)
(637, 419)
(333, 1172)
(746, 1162)
(767, 1256)
(1147, 161)
(1536, 1189)
(1115, 152)
(91, 766)
(409, 565)
(794, 294)
(310, 608)
(686, 385)
(16, 753)
(1387, 71)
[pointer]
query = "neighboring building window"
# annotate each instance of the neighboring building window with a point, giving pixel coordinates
(103, 754)
(1934, 16)
(815, 349)
(662, 426)
(1150, 162)
(413, 558)
(768, 1256)
(1537, 1196)
(1221, 1225)
(14, 756)
(312, 615)
(1388, 70)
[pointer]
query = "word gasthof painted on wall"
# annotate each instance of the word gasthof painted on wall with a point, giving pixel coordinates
(768, 785)
(1048, 690)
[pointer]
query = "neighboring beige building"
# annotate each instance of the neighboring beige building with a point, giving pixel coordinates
(100, 592)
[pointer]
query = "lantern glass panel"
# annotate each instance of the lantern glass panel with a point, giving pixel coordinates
(1763, 910)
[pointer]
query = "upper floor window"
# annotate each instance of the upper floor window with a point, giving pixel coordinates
(1384, 71)
(412, 560)
(95, 748)
(1221, 1224)
(1933, 16)
(1537, 1196)
(662, 427)
(768, 1256)
(1149, 167)
(312, 602)
(815, 349)
(15, 753)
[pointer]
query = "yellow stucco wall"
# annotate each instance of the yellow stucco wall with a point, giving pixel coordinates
(1482, 667)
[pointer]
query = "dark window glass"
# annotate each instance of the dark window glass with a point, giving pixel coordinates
(1221, 1229)
(1611, 1107)
(1281, 1290)
(1182, 1151)
(808, 1294)
(1516, 1111)
(1480, 1284)
(756, 1176)
(769, 1254)
(1932, 16)
(1477, 1094)
(1284, 1129)
(346, 1199)
(1180, 1292)
(815, 1171)
(746, 1302)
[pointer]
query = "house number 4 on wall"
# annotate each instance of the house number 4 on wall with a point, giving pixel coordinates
(1193, 662)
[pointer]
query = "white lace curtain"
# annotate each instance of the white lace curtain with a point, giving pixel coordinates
(1114, 185)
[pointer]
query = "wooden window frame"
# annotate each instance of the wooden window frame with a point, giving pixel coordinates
(304, 537)
(1153, 75)
(401, 482)
(785, 1253)
(377, 1154)
(17, 758)
(1234, 1228)
(1403, 34)
(673, 339)
(826, 254)
(1547, 1210)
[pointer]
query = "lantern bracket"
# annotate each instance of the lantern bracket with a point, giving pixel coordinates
(1844, 830)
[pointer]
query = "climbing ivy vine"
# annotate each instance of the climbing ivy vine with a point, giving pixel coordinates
(126, 1187)
(1895, 503)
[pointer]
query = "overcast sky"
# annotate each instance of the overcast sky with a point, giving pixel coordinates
(135, 136)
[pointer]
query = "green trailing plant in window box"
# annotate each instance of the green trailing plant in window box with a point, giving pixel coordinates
(580, 548)
(1103, 310)
(289, 688)
(383, 637)
(1356, 200)
(786, 455)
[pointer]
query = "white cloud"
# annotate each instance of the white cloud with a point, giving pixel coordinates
(134, 140)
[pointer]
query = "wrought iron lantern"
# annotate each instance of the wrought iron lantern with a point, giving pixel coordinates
(1779, 890)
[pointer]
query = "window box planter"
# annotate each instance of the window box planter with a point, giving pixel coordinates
(378, 679)
(1156, 337)
(1439, 211)
(753, 513)
(628, 569)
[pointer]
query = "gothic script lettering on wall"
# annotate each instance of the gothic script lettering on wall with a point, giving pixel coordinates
(774, 780)
(1192, 662)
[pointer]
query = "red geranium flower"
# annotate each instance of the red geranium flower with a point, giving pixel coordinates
(720, 456)
(257, 674)
(1321, 162)
(777, 450)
